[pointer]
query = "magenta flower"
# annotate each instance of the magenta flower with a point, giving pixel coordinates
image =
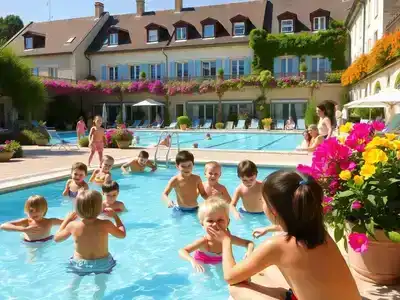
(327, 209)
(356, 205)
(358, 242)
(327, 200)
(378, 125)
(7, 142)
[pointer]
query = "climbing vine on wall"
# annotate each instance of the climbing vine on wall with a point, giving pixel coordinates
(329, 43)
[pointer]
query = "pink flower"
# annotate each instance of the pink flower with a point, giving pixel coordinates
(327, 200)
(7, 142)
(356, 205)
(378, 125)
(327, 209)
(334, 186)
(358, 242)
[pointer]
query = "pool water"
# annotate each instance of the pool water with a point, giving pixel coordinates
(220, 140)
(148, 265)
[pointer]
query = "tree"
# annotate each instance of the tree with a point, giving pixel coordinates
(310, 115)
(9, 26)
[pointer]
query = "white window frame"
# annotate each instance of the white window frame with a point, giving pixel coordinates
(151, 33)
(53, 72)
(317, 21)
(287, 71)
(289, 24)
(204, 31)
(320, 72)
(376, 7)
(157, 68)
(30, 44)
(115, 73)
(209, 62)
(240, 25)
(113, 39)
(181, 33)
(237, 61)
(182, 64)
(136, 72)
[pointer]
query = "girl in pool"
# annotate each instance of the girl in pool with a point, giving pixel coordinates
(80, 128)
(77, 181)
(213, 213)
(97, 139)
(306, 142)
(103, 175)
(305, 254)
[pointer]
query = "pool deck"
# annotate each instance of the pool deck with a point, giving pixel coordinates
(40, 165)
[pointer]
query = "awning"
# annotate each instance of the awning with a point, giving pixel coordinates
(148, 102)
(385, 98)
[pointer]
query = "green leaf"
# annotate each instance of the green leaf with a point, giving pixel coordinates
(394, 236)
(345, 244)
(374, 182)
(371, 199)
(345, 194)
(338, 234)
(394, 180)
(370, 228)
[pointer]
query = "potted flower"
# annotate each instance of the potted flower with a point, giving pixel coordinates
(122, 137)
(267, 123)
(303, 69)
(360, 174)
(219, 125)
(41, 139)
(6, 152)
(183, 122)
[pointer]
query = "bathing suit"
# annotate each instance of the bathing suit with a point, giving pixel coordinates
(208, 258)
(241, 210)
(116, 210)
(180, 211)
(84, 267)
(72, 194)
(49, 238)
(80, 127)
(100, 179)
(290, 295)
(97, 146)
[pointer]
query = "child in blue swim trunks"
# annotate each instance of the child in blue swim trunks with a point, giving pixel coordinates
(77, 181)
(90, 234)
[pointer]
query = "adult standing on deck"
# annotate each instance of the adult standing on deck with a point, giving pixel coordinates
(324, 124)
(338, 116)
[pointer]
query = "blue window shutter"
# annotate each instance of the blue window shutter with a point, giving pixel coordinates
(145, 68)
(35, 71)
(191, 68)
(309, 67)
(198, 68)
(247, 66)
(103, 72)
(123, 72)
(328, 65)
(162, 71)
(218, 64)
(227, 66)
(277, 66)
(295, 67)
(172, 69)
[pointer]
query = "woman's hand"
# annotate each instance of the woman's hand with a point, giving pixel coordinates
(259, 232)
(219, 233)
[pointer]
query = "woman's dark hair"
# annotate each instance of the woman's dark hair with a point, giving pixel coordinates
(297, 199)
(323, 109)
(305, 132)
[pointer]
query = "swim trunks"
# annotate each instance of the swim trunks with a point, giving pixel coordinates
(97, 146)
(208, 258)
(241, 210)
(84, 267)
(49, 238)
(180, 211)
(72, 194)
(290, 295)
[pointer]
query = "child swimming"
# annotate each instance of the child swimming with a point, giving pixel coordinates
(103, 175)
(187, 186)
(249, 190)
(213, 213)
(35, 228)
(212, 171)
(77, 181)
(139, 164)
(111, 192)
(305, 254)
(208, 136)
(90, 234)
(96, 139)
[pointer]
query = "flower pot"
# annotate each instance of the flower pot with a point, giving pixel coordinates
(6, 156)
(42, 142)
(267, 127)
(183, 126)
(124, 144)
(380, 264)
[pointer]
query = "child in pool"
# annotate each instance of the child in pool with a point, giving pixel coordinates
(97, 139)
(305, 254)
(249, 190)
(103, 175)
(77, 181)
(208, 136)
(212, 171)
(139, 164)
(35, 228)
(110, 193)
(165, 142)
(90, 234)
(187, 186)
(213, 213)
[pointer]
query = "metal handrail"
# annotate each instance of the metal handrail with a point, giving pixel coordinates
(166, 133)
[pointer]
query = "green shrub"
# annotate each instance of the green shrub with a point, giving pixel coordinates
(184, 120)
(40, 136)
(303, 67)
(14, 146)
(334, 77)
(310, 115)
(84, 142)
(219, 125)
(26, 137)
(119, 120)
(122, 134)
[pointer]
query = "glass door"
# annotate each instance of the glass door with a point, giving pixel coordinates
(209, 111)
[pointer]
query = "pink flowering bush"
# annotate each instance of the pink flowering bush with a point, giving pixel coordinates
(115, 135)
(360, 175)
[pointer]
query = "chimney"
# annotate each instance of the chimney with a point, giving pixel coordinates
(140, 7)
(98, 9)
(178, 5)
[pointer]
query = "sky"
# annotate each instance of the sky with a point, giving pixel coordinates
(38, 10)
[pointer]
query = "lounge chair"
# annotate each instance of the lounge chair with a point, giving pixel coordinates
(157, 125)
(171, 126)
(254, 124)
(241, 124)
(393, 125)
(280, 124)
(301, 124)
(58, 142)
(366, 121)
(135, 124)
(229, 125)
(145, 124)
(195, 124)
(207, 124)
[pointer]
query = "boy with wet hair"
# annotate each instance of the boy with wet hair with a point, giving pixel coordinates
(139, 164)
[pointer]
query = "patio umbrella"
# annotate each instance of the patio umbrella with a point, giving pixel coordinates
(104, 114)
(123, 113)
(148, 103)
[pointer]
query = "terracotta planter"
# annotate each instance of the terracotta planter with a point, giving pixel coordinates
(267, 127)
(124, 144)
(6, 156)
(183, 126)
(42, 142)
(380, 264)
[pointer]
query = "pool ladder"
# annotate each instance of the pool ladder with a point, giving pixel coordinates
(163, 135)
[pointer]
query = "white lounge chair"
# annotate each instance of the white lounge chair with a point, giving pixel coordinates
(57, 142)
(195, 124)
(207, 124)
(301, 124)
(229, 125)
(366, 121)
(393, 125)
(254, 124)
(241, 124)
(280, 124)
(157, 125)
(171, 126)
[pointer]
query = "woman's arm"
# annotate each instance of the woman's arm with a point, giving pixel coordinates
(328, 124)
(318, 140)
(243, 243)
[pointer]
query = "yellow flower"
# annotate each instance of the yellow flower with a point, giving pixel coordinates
(346, 127)
(390, 136)
(367, 170)
(342, 139)
(358, 180)
(398, 154)
(345, 175)
(396, 143)
(374, 156)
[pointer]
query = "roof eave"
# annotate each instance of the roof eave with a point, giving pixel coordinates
(350, 15)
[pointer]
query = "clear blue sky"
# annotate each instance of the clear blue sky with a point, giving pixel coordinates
(37, 10)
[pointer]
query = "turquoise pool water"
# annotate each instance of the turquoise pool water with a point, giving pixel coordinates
(148, 265)
(220, 140)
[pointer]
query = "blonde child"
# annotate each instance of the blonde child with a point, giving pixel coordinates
(110, 193)
(213, 213)
(35, 228)
(97, 139)
(212, 171)
(187, 186)
(139, 164)
(80, 128)
(103, 175)
(77, 181)
(249, 190)
(305, 254)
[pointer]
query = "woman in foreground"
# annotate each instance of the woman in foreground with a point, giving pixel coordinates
(305, 254)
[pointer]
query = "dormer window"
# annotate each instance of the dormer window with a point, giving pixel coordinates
(287, 22)
(28, 43)
(319, 23)
(209, 31)
(152, 36)
(181, 33)
(113, 39)
(34, 40)
(287, 26)
(239, 29)
(319, 19)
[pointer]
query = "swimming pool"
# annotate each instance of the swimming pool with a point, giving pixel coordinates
(148, 265)
(220, 140)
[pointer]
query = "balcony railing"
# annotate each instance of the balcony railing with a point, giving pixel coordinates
(321, 76)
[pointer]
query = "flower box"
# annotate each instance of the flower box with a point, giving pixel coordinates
(6, 156)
